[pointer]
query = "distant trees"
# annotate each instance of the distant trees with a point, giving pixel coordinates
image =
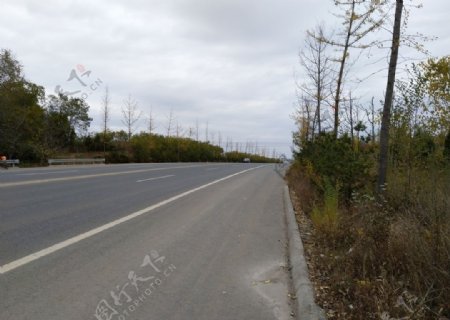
(34, 127)
(151, 122)
(105, 116)
(130, 115)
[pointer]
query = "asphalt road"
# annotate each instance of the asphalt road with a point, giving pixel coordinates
(151, 241)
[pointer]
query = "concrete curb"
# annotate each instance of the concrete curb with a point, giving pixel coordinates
(305, 307)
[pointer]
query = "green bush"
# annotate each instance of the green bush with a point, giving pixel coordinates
(338, 161)
(117, 157)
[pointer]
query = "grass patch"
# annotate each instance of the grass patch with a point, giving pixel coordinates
(387, 259)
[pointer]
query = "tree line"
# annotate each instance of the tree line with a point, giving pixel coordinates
(35, 126)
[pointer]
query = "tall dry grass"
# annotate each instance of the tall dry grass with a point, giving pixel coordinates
(383, 259)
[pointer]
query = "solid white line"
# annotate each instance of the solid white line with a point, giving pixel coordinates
(157, 178)
(61, 245)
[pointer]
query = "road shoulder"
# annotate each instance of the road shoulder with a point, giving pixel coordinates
(305, 307)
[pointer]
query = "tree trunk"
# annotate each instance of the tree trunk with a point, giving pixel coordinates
(372, 123)
(352, 135)
(385, 121)
(319, 88)
(337, 97)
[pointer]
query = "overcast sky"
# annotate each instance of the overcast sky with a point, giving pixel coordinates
(226, 62)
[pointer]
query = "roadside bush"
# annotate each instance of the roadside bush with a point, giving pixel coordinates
(338, 161)
(117, 157)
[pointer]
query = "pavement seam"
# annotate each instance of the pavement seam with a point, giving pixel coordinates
(305, 306)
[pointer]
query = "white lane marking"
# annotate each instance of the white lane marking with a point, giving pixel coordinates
(157, 178)
(87, 176)
(41, 173)
(61, 245)
(211, 169)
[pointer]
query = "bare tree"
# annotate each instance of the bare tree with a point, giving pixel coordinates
(196, 129)
(151, 122)
(191, 133)
(317, 65)
(179, 130)
(304, 119)
(371, 119)
(220, 139)
(170, 120)
(357, 25)
(352, 135)
(385, 121)
(105, 116)
(131, 115)
(229, 145)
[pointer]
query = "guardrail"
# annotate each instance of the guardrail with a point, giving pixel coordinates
(75, 161)
(6, 163)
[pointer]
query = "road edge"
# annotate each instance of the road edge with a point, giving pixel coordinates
(305, 306)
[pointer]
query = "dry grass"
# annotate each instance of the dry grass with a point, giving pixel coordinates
(388, 260)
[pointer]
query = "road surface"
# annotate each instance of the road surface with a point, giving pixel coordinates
(144, 241)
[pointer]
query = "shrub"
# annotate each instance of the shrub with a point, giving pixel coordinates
(338, 161)
(387, 258)
(117, 157)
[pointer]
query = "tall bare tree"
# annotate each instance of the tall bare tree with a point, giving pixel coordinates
(105, 116)
(219, 139)
(360, 18)
(131, 115)
(371, 119)
(386, 118)
(191, 133)
(151, 122)
(178, 130)
(196, 129)
(170, 120)
(316, 63)
(304, 118)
